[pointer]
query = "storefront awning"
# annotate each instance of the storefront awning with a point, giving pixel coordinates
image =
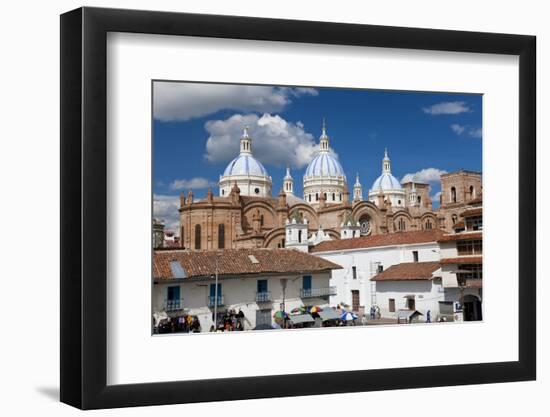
(301, 318)
(328, 314)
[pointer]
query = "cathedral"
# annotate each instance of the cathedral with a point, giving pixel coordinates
(245, 214)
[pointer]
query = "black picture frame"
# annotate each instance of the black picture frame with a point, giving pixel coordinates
(84, 207)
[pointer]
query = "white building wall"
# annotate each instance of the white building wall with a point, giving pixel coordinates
(240, 293)
(366, 262)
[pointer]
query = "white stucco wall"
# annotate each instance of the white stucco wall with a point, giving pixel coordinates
(240, 293)
(366, 262)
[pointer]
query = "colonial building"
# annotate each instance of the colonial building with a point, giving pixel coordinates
(244, 214)
(258, 282)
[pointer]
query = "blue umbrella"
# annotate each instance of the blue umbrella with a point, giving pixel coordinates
(348, 316)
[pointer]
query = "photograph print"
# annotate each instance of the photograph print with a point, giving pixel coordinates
(278, 208)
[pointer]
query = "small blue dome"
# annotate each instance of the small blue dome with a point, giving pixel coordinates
(324, 164)
(245, 165)
(386, 181)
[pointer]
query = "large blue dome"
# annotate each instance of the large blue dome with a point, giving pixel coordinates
(323, 165)
(386, 181)
(245, 164)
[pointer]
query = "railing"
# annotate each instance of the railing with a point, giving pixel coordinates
(172, 305)
(211, 300)
(317, 292)
(262, 297)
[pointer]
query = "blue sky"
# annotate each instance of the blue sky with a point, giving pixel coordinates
(196, 130)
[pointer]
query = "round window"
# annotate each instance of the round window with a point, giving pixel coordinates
(257, 190)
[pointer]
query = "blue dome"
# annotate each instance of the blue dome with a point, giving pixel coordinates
(386, 181)
(245, 165)
(324, 164)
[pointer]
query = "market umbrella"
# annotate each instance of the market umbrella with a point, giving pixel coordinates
(315, 309)
(297, 310)
(348, 316)
(280, 315)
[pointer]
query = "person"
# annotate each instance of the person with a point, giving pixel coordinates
(428, 316)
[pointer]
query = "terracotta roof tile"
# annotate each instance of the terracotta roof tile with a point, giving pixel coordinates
(388, 239)
(462, 260)
(474, 211)
(239, 262)
(411, 271)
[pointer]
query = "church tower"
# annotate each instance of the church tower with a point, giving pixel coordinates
(296, 233)
(357, 190)
(288, 182)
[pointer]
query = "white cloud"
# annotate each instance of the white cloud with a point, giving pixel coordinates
(196, 183)
(458, 129)
(448, 107)
(173, 101)
(473, 132)
(274, 140)
(165, 208)
(426, 175)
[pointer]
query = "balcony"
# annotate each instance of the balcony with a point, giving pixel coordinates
(263, 297)
(173, 305)
(317, 292)
(211, 300)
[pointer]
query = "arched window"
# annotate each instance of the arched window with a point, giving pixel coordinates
(325, 196)
(299, 236)
(454, 218)
(261, 220)
(197, 236)
(398, 202)
(333, 196)
(340, 196)
(472, 192)
(282, 243)
(316, 196)
(182, 237)
(453, 195)
(401, 224)
(221, 236)
(419, 199)
(428, 225)
(309, 198)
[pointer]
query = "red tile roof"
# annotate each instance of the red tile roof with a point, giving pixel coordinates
(461, 236)
(474, 211)
(240, 262)
(411, 271)
(388, 239)
(462, 260)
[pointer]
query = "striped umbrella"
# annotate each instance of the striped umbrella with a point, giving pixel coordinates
(348, 316)
(280, 315)
(315, 309)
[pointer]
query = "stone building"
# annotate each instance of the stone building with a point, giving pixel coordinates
(245, 214)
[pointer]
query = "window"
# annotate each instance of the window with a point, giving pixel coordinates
(391, 305)
(419, 199)
(223, 192)
(221, 236)
(197, 236)
(340, 196)
(469, 247)
(354, 272)
(262, 286)
(306, 282)
(401, 224)
(182, 237)
(257, 190)
(453, 195)
(299, 236)
(173, 298)
(325, 196)
(398, 202)
(415, 256)
(411, 305)
(282, 243)
(469, 272)
(454, 218)
(262, 220)
(474, 223)
(428, 225)
(472, 192)
(380, 268)
(316, 196)
(309, 198)
(333, 196)
(212, 300)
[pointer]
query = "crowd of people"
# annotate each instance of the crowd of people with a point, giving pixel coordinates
(229, 321)
(179, 324)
